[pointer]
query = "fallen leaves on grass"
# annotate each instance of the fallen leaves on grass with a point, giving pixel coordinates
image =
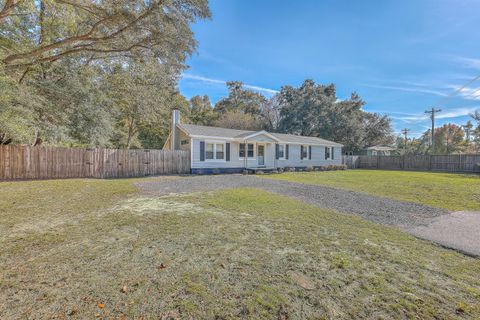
(124, 289)
(101, 305)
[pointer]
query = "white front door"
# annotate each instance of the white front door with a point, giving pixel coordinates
(261, 154)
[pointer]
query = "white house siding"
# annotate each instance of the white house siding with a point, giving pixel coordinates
(235, 161)
(318, 156)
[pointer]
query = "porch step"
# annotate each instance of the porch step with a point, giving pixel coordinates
(263, 169)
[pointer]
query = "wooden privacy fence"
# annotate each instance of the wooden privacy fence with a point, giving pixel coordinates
(449, 163)
(25, 162)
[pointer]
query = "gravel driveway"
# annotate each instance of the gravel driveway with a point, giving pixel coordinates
(419, 220)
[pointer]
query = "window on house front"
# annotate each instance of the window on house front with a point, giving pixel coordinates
(250, 150)
(219, 151)
(209, 147)
(327, 153)
(241, 151)
(281, 151)
(304, 152)
(214, 151)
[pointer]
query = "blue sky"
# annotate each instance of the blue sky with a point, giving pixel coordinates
(402, 57)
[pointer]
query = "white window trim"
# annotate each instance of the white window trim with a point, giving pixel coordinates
(284, 151)
(306, 146)
(215, 142)
(246, 151)
(331, 151)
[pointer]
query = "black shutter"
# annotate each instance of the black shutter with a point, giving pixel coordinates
(286, 151)
(326, 151)
(202, 150)
(333, 153)
(309, 152)
(301, 152)
(276, 151)
(227, 151)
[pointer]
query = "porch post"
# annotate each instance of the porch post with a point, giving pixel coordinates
(275, 155)
(245, 156)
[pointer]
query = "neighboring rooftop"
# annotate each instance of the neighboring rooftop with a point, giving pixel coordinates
(217, 132)
(381, 148)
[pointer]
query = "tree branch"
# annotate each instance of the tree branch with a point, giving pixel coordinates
(7, 8)
(88, 36)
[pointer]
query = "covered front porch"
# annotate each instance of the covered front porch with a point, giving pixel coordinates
(257, 151)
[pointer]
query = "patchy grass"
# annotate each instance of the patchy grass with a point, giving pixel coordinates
(86, 248)
(444, 190)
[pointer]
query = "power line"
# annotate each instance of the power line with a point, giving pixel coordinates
(474, 92)
(443, 100)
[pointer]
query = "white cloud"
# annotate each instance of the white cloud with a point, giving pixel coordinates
(469, 62)
(409, 89)
(200, 78)
(216, 81)
(455, 113)
(445, 114)
(468, 93)
(271, 91)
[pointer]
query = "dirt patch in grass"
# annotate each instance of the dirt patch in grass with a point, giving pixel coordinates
(238, 253)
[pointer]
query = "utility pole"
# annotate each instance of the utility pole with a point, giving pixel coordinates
(432, 116)
(405, 133)
(468, 127)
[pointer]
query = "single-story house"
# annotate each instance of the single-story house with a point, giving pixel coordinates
(221, 150)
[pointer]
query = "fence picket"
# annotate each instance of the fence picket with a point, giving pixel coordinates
(27, 162)
(448, 163)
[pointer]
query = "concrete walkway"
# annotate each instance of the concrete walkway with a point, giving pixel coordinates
(460, 230)
(457, 230)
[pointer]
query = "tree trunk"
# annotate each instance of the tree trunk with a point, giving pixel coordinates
(131, 132)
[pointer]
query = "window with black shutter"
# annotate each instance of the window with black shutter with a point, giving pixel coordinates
(304, 152)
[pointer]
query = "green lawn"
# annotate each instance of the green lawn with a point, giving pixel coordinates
(96, 248)
(444, 190)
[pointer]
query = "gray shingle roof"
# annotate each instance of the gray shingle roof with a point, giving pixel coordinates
(291, 138)
(381, 148)
(212, 131)
(238, 134)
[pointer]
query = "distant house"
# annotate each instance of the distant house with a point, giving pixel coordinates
(379, 150)
(221, 150)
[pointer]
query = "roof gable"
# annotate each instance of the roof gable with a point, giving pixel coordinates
(256, 135)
